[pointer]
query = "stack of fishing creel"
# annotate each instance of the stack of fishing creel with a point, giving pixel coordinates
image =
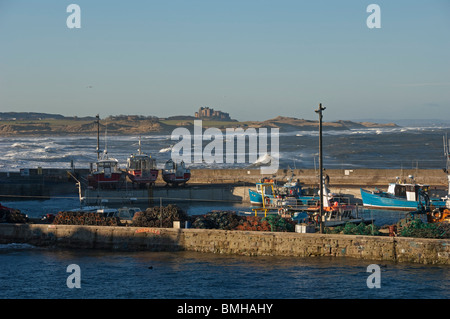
(418, 228)
(226, 220)
(254, 223)
(280, 224)
(157, 216)
(9, 215)
(85, 218)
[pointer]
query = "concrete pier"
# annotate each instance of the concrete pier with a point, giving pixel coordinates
(249, 243)
(191, 193)
(208, 184)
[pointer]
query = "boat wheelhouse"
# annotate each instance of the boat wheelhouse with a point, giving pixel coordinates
(105, 173)
(141, 168)
(176, 173)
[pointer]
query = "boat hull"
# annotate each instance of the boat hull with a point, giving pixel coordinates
(386, 201)
(104, 181)
(143, 177)
(256, 199)
(172, 178)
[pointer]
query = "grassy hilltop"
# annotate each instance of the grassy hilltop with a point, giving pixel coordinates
(12, 124)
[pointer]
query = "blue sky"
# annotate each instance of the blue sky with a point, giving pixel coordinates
(255, 59)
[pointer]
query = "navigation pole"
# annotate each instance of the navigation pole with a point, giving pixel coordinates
(319, 111)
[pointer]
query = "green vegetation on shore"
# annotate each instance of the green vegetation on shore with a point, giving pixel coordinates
(12, 124)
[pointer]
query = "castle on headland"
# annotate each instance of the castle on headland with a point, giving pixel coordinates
(210, 114)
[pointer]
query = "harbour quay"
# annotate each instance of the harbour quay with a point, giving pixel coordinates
(205, 184)
(248, 243)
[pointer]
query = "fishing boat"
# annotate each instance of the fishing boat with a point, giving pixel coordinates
(141, 168)
(105, 172)
(400, 196)
(291, 191)
(175, 173)
(337, 211)
(265, 189)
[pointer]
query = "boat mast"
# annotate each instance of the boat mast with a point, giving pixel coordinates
(319, 111)
(140, 152)
(97, 121)
(447, 166)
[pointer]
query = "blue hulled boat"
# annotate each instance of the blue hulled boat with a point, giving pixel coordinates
(289, 191)
(400, 196)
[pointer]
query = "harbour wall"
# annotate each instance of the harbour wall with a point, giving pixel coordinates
(249, 243)
(208, 184)
(338, 177)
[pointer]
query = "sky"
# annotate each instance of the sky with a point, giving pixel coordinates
(255, 59)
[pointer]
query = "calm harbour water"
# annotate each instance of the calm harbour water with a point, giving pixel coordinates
(30, 272)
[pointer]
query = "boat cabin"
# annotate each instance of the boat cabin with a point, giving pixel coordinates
(139, 162)
(265, 188)
(106, 167)
(410, 192)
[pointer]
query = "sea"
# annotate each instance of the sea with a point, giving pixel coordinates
(388, 147)
(29, 272)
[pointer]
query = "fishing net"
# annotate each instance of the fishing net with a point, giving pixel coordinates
(280, 224)
(418, 228)
(354, 229)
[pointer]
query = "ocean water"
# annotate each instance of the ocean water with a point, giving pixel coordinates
(42, 273)
(400, 147)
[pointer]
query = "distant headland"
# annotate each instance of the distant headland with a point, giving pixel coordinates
(31, 123)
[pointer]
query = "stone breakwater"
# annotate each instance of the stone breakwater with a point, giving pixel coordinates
(249, 243)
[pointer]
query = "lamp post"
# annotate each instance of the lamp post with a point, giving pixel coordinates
(319, 111)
